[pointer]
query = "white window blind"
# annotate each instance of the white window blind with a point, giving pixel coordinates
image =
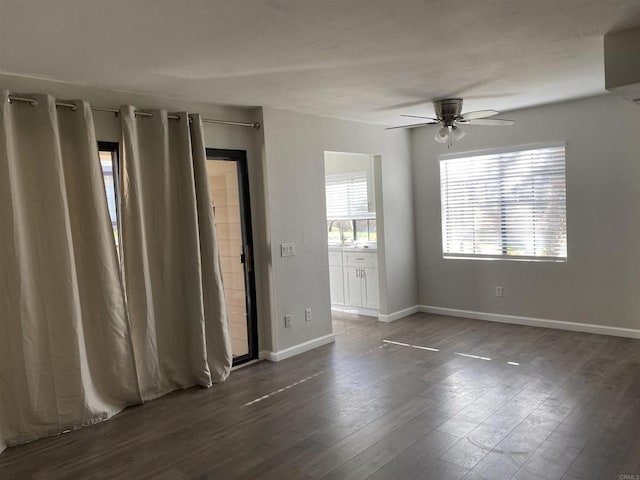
(507, 204)
(347, 196)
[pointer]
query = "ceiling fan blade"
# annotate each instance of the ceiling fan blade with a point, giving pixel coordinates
(411, 126)
(434, 120)
(478, 114)
(489, 121)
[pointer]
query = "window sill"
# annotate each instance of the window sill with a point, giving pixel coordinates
(513, 258)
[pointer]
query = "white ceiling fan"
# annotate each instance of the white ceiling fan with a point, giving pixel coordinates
(449, 114)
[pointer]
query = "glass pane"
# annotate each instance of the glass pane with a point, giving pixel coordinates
(225, 196)
(106, 162)
(366, 231)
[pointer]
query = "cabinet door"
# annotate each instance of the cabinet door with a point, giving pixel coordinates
(352, 286)
(336, 284)
(370, 290)
(335, 258)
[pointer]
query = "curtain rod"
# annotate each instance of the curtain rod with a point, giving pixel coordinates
(34, 102)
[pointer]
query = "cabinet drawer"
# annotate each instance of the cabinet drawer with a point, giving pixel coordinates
(335, 258)
(361, 259)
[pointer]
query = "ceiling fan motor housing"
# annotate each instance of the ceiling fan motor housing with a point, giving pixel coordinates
(448, 110)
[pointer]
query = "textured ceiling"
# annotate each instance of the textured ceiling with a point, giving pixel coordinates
(366, 60)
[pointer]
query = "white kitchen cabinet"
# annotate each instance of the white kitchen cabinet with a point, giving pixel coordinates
(352, 287)
(336, 278)
(335, 258)
(361, 280)
(353, 279)
(361, 287)
(336, 284)
(370, 289)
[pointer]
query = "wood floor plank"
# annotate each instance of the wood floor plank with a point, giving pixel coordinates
(413, 461)
(386, 449)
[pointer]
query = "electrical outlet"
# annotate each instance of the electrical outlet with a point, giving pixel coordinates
(498, 291)
(287, 321)
(307, 314)
(287, 249)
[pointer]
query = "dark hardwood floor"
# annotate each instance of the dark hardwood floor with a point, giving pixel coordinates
(485, 400)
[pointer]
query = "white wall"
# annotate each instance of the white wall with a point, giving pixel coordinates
(340, 162)
(216, 136)
(294, 155)
(600, 282)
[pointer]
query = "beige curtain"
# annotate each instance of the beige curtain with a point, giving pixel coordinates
(65, 352)
(170, 260)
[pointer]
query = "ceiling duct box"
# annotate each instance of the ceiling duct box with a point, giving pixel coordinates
(622, 63)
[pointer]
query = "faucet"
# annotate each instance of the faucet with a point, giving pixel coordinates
(340, 227)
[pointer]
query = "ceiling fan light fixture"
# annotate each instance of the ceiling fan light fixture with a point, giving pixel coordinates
(442, 135)
(457, 134)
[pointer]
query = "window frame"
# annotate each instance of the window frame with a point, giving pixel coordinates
(503, 256)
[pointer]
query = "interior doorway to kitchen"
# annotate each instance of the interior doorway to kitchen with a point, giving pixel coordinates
(352, 233)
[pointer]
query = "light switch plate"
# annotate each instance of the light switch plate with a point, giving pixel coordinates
(287, 249)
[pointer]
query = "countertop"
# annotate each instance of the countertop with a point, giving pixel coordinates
(349, 248)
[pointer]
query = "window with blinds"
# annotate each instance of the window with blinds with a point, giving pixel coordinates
(347, 196)
(505, 204)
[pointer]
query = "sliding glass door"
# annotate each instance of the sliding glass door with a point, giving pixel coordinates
(229, 184)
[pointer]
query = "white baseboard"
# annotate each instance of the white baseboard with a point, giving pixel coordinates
(534, 322)
(296, 349)
(369, 312)
(405, 312)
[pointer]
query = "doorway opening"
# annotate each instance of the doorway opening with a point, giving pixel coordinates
(229, 186)
(352, 233)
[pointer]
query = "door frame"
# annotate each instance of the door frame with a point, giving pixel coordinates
(240, 157)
